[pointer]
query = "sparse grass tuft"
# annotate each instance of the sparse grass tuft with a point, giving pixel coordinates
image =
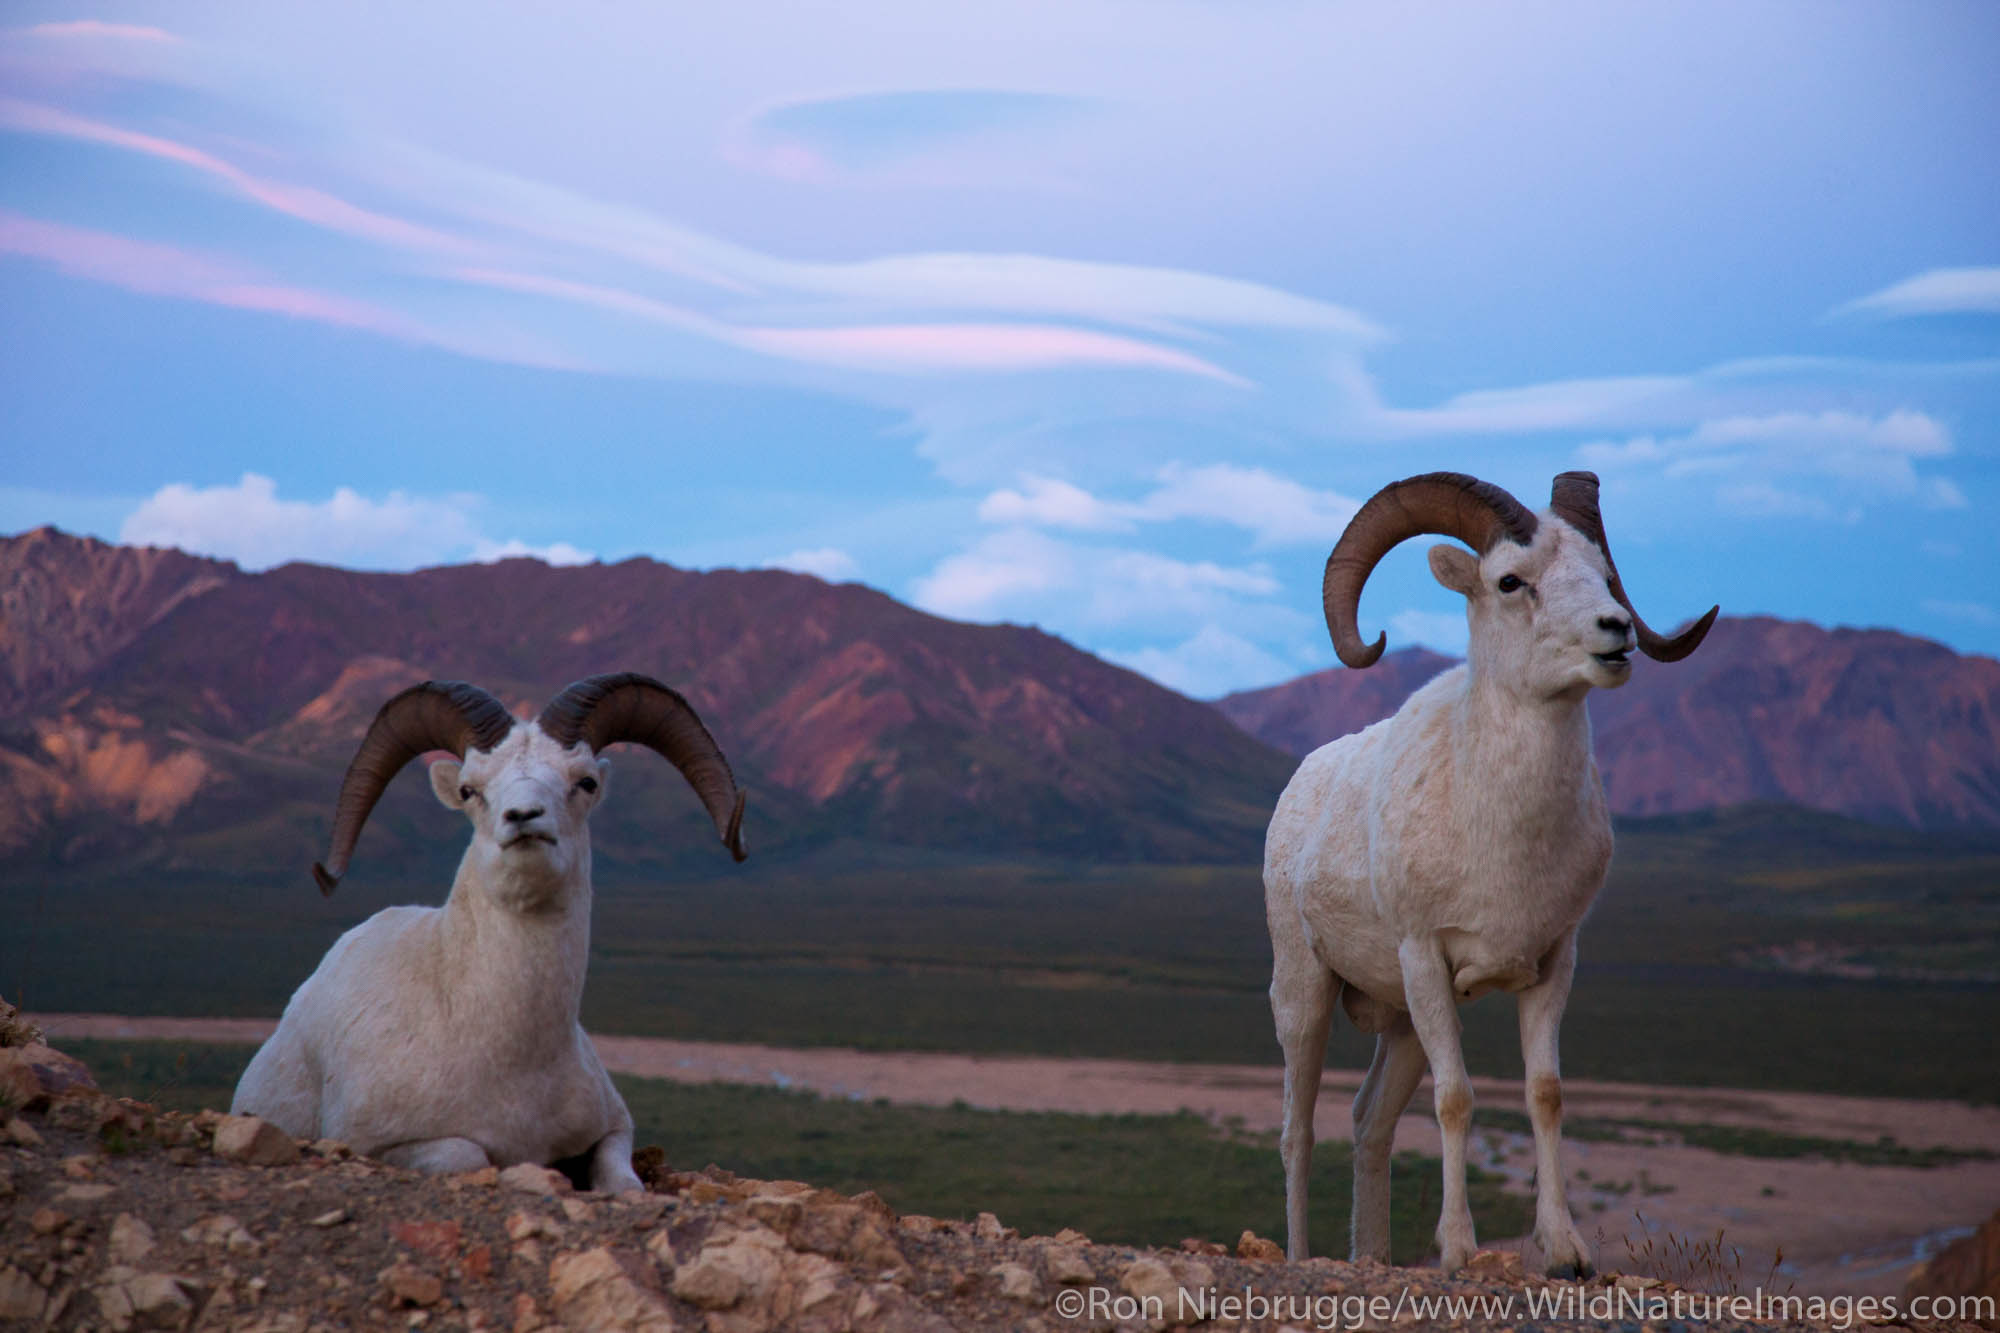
(1712, 1266)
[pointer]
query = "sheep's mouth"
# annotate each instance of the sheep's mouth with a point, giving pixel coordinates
(518, 839)
(1620, 657)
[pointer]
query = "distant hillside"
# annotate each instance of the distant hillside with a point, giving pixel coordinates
(1301, 715)
(154, 705)
(1868, 723)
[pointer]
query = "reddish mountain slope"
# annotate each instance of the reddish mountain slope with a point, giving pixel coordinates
(1864, 722)
(851, 715)
(68, 603)
(1301, 715)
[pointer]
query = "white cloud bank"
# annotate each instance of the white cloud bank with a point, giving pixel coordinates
(250, 524)
(1830, 465)
(825, 562)
(1019, 573)
(1276, 510)
(1211, 663)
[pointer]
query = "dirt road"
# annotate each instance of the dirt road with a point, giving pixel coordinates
(1842, 1227)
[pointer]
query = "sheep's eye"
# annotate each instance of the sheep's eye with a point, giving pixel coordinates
(586, 784)
(465, 793)
(1509, 583)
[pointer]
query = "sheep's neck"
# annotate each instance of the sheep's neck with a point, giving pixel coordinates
(516, 968)
(1529, 760)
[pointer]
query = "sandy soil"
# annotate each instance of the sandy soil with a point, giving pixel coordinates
(1842, 1227)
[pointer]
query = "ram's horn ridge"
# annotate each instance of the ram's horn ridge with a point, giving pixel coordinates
(436, 715)
(1447, 504)
(1573, 498)
(626, 706)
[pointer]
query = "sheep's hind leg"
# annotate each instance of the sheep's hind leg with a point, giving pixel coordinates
(1427, 986)
(1302, 995)
(1392, 1077)
(1541, 1008)
(437, 1157)
(611, 1164)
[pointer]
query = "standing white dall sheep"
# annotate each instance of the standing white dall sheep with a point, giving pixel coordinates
(446, 1038)
(1454, 848)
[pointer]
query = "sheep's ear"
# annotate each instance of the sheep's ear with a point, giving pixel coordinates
(603, 781)
(444, 782)
(1455, 567)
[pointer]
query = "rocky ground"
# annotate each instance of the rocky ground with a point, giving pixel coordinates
(115, 1216)
(1843, 1227)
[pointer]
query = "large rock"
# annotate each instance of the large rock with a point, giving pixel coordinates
(593, 1291)
(1969, 1266)
(33, 1074)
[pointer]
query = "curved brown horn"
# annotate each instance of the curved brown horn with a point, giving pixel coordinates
(1573, 498)
(1449, 504)
(627, 706)
(436, 715)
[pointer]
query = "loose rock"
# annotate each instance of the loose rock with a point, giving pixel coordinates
(32, 1075)
(20, 1296)
(592, 1290)
(1066, 1266)
(1018, 1284)
(221, 1231)
(131, 1240)
(407, 1284)
(530, 1178)
(1255, 1248)
(253, 1140)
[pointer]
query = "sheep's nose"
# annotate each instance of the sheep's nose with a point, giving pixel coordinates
(522, 816)
(1617, 625)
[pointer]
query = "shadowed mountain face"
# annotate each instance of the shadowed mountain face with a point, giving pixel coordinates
(1868, 723)
(153, 704)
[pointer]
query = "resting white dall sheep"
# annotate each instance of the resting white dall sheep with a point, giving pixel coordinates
(446, 1038)
(1454, 848)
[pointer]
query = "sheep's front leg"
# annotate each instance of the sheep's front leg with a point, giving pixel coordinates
(1563, 1251)
(1434, 1013)
(611, 1164)
(1302, 996)
(437, 1157)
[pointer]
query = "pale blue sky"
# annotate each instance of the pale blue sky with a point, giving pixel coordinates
(1099, 316)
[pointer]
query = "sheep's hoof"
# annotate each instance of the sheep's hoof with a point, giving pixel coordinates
(1572, 1272)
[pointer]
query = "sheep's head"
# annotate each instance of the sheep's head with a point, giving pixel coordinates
(529, 787)
(528, 799)
(1543, 597)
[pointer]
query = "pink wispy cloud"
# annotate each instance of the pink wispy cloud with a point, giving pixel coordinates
(931, 348)
(132, 32)
(303, 202)
(604, 298)
(164, 270)
(904, 349)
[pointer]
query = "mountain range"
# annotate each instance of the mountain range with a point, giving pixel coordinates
(152, 702)
(161, 709)
(1863, 722)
